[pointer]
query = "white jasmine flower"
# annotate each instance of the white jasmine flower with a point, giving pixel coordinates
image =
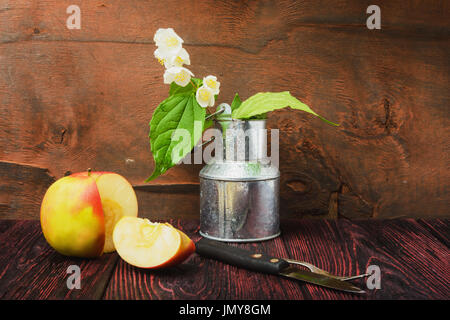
(168, 42)
(180, 75)
(160, 56)
(205, 96)
(212, 83)
(178, 59)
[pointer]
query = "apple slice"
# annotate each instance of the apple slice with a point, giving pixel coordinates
(144, 244)
(118, 200)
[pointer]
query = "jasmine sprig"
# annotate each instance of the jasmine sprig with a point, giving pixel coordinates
(189, 98)
(173, 56)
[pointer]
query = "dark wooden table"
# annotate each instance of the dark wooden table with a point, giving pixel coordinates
(413, 256)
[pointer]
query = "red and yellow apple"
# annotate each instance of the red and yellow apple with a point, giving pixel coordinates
(79, 212)
(145, 244)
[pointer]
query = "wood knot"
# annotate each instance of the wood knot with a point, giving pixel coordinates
(388, 121)
(297, 186)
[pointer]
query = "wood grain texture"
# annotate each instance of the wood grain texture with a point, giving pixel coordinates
(31, 269)
(168, 201)
(22, 188)
(437, 228)
(413, 264)
(413, 257)
(77, 99)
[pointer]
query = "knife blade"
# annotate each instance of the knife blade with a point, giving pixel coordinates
(263, 263)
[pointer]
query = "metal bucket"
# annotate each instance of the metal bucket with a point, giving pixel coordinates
(239, 189)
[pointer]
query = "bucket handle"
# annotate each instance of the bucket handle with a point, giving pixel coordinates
(220, 111)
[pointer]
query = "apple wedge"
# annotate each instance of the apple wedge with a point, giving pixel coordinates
(118, 200)
(145, 244)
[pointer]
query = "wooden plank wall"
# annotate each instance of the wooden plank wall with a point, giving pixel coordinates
(77, 99)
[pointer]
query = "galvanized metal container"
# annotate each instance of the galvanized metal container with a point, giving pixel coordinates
(239, 189)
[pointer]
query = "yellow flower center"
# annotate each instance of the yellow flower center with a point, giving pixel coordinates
(211, 83)
(171, 41)
(180, 77)
(179, 60)
(161, 61)
(204, 94)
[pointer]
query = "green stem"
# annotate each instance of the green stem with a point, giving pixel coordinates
(193, 84)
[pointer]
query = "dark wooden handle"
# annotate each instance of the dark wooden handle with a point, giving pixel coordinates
(256, 261)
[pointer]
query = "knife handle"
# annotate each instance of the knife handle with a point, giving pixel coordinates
(240, 257)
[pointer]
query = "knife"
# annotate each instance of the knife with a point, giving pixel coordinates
(263, 263)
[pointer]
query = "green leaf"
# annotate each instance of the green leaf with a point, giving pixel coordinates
(236, 102)
(176, 89)
(262, 116)
(179, 111)
(208, 124)
(198, 82)
(264, 102)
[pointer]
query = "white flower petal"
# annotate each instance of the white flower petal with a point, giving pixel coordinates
(181, 76)
(212, 100)
(159, 54)
(205, 96)
(212, 83)
(168, 77)
(178, 59)
(162, 58)
(167, 41)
